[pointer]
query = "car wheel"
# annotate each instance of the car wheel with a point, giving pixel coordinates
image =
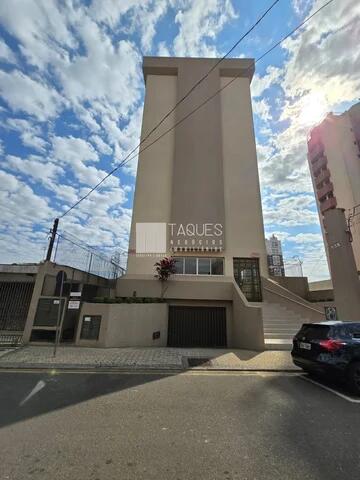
(354, 377)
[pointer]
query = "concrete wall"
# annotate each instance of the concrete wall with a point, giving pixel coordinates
(127, 325)
(243, 211)
(247, 330)
(178, 287)
(152, 200)
(275, 293)
(244, 320)
(297, 285)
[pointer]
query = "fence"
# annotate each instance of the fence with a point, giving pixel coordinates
(293, 269)
(72, 252)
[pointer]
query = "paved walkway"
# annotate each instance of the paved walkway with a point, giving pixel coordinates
(145, 358)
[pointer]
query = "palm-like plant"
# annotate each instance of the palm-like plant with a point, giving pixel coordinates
(164, 269)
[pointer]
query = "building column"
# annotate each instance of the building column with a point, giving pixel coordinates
(342, 265)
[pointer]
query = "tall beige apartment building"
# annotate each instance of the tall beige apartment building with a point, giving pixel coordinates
(199, 185)
(334, 161)
(197, 199)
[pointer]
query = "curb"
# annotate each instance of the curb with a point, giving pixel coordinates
(137, 368)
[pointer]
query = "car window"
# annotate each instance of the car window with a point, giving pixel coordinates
(347, 331)
(314, 332)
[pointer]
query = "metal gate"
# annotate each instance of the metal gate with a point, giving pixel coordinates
(247, 276)
(197, 326)
(15, 298)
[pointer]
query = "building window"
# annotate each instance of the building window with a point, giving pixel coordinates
(90, 328)
(217, 266)
(179, 265)
(199, 266)
(190, 265)
(204, 266)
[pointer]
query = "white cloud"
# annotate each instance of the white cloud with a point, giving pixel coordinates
(34, 167)
(301, 6)
(101, 145)
(19, 204)
(260, 84)
(24, 94)
(73, 150)
(306, 238)
(261, 108)
(198, 22)
(290, 211)
(41, 26)
(30, 133)
(163, 50)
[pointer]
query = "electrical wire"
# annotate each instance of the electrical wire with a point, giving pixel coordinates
(130, 157)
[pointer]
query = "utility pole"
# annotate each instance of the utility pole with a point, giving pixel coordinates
(60, 313)
(53, 232)
(344, 274)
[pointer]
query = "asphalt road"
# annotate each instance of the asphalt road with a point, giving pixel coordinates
(147, 426)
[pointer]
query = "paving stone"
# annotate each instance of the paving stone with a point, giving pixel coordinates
(152, 357)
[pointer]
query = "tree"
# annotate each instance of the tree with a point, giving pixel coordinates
(164, 269)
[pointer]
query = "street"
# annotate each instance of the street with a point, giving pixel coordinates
(195, 425)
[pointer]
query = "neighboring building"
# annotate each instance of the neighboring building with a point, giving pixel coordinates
(275, 257)
(30, 299)
(334, 161)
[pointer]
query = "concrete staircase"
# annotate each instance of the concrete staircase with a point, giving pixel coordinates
(280, 325)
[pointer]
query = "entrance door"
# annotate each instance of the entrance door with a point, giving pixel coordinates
(247, 276)
(197, 326)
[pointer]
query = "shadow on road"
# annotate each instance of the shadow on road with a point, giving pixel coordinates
(25, 395)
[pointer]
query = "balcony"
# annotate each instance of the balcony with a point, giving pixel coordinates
(328, 204)
(316, 152)
(314, 139)
(327, 188)
(324, 175)
(320, 163)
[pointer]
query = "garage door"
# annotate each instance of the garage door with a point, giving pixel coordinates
(197, 327)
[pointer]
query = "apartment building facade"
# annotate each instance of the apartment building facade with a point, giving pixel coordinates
(197, 199)
(199, 185)
(334, 162)
(275, 256)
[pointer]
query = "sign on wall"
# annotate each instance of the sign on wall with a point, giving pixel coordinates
(74, 305)
(330, 313)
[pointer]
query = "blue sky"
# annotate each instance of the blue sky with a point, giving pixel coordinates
(71, 94)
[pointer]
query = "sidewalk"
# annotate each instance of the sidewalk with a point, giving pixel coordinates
(146, 358)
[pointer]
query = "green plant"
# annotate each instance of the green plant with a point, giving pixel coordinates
(164, 269)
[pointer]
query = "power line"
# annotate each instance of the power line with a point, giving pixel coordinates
(204, 77)
(129, 157)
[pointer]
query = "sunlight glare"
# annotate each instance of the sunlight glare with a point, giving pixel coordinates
(313, 110)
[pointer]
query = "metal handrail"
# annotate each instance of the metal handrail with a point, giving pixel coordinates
(294, 301)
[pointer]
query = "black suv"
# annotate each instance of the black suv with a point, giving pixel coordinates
(330, 348)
